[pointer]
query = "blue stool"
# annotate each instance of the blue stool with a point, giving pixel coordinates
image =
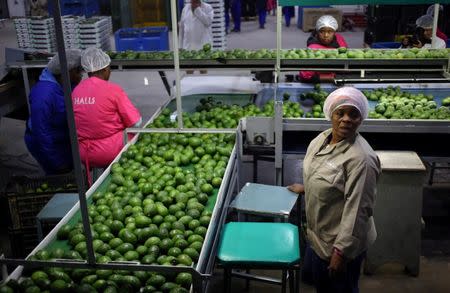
(55, 210)
(265, 200)
(264, 246)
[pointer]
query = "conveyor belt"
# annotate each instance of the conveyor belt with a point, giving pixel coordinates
(338, 64)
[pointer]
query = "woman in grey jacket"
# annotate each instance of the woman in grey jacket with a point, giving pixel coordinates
(340, 173)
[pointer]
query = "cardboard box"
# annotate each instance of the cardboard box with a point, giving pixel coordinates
(311, 15)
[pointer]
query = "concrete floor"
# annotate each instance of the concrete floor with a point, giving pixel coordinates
(389, 279)
(147, 93)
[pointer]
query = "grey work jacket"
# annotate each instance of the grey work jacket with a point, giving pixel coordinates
(340, 187)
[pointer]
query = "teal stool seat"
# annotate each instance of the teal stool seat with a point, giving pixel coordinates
(260, 245)
(268, 244)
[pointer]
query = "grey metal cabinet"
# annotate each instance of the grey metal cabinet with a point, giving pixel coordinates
(398, 212)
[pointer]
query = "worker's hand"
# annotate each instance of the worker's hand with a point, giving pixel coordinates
(297, 188)
(417, 45)
(337, 265)
(327, 77)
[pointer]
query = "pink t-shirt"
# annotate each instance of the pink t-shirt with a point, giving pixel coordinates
(441, 35)
(102, 111)
(308, 75)
(339, 39)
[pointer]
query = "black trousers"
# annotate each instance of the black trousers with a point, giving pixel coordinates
(248, 8)
(347, 282)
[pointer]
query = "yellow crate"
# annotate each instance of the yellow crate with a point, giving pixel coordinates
(147, 24)
(399, 38)
(148, 12)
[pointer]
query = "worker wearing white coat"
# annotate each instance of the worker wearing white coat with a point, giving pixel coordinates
(424, 33)
(195, 25)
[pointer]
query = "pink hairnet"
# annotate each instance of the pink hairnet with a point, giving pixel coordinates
(346, 96)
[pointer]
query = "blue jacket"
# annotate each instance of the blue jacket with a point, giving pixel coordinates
(47, 134)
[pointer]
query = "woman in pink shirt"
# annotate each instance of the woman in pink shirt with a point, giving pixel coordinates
(430, 12)
(324, 37)
(102, 111)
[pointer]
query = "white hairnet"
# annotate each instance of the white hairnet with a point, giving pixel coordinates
(346, 96)
(327, 21)
(94, 59)
(73, 61)
(425, 21)
(430, 10)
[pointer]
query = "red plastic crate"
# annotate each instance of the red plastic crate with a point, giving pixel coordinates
(359, 20)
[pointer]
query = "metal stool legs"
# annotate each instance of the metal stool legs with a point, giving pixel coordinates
(247, 281)
(297, 281)
(292, 281)
(283, 281)
(227, 280)
(291, 275)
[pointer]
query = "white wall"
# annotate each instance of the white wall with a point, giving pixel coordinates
(351, 8)
(16, 8)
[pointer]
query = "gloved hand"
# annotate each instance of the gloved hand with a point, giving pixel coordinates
(337, 264)
(297, 188)
(327, 76)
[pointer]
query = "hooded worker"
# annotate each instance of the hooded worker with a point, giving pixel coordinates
(323, 37)
(102, 111)
(47, 131)
(195, 25)
(439, 33)
(424, 33)
(340, 173)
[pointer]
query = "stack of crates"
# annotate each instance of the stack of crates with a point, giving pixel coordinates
(24, 38)
(218, 24)
(38, 33)
(43, 33)
(71, 31)
(26, 197)
(96, 32)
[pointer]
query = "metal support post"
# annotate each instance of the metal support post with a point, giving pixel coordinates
(447, 70)
(26, 84)
(163, 76)
(72, 131)
(278, 118)
(176, 59)
(363, 73)
(435, 23)
(278, 127)
(239, 153)
(4, 269)
(279, 45)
